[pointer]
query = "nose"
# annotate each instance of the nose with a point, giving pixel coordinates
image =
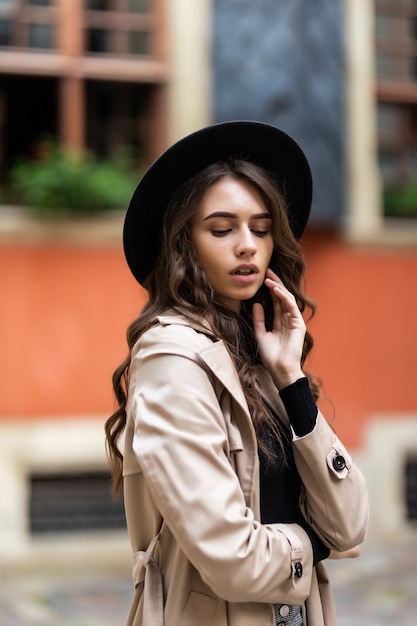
(246, 243)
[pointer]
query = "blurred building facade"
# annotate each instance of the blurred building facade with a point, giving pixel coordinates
(99, 74)
(396, 70)
(67, 62)
(94, 73)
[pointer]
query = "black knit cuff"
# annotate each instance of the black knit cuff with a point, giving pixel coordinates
(300, 406)
(320, 551)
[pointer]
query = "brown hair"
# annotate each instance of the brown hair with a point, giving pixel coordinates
(177, 281)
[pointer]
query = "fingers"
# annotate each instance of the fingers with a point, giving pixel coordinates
(272, 280)
(283, 297)
(286, 309)
(258, 318)
(270, 275)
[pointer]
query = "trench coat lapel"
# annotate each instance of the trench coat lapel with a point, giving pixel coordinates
(217, 359)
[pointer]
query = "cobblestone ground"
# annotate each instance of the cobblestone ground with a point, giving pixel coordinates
(85, 600)
(377, 589)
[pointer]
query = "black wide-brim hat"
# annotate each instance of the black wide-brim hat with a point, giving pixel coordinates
(262, 144)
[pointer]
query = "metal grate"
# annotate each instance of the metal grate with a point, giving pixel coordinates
(69, 502)
(411, 487)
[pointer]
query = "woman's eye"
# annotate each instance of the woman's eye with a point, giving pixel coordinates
(221, 232)
(261, 233)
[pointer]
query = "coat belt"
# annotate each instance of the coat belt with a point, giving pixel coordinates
(146, 570)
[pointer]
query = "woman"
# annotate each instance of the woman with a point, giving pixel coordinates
(236, 488)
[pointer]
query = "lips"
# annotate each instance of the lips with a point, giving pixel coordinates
(246, 274)
(245, 270)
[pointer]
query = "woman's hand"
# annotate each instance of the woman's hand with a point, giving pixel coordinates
(280, 349)
(353, 553)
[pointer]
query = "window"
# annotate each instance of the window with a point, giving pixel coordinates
(396, 67)
(133, 6)
(138, 42)
(40, 36)
(389, 122)
(98, 40)
(73, 502)
(385, 66)
(383, 26)
(139, 6)
(28, 24)
(412, 27)
(411, 488)
(6, 30)
(412, 68)
(98, 5)
(388, 165)
(119, 27)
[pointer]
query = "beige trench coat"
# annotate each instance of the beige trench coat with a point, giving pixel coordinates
(191, 488)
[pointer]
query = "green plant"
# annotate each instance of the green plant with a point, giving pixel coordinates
(401, 202)
(63, 182)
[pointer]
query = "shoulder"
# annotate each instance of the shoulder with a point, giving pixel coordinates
(174, 334)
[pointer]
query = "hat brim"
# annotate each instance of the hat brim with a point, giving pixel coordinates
(256, 142)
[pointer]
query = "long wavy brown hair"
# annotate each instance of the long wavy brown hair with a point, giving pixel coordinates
(178, 282)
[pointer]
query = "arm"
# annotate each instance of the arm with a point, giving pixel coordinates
(334, 502)
(182, 446)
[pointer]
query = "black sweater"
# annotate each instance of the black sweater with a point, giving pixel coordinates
(280, 482)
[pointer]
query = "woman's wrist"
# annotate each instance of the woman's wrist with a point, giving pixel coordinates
(285, 378)
(300, 406)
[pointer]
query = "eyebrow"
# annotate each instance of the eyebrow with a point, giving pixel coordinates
(258, 216)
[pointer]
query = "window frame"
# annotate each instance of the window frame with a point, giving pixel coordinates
(365, 221)
(22, 15)
(120, 24)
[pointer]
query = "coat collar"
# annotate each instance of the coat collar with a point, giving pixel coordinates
(215, 356)
(217, 359)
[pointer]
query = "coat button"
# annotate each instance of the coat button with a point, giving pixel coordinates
(298, 569)
(339, 463)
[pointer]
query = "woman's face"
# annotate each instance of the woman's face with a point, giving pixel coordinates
(232, 237)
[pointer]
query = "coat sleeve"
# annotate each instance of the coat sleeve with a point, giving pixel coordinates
(334, 500)
(180, 441)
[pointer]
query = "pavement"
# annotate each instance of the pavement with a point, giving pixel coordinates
(377, 589)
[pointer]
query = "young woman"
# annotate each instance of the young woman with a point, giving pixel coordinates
(236, 488)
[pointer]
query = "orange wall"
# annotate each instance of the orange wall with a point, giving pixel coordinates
(63, 316)
(365, 330)
(64, 311)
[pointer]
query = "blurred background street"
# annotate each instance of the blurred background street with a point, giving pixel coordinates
(378, 588)
(91, 92)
